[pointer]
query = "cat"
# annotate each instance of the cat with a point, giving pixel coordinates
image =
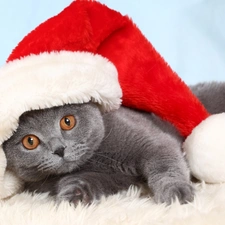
(77, 153)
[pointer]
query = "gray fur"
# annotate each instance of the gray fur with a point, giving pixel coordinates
(212, 95)
(104, 154)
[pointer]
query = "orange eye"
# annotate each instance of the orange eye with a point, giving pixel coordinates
(30, 142)
(67, 122)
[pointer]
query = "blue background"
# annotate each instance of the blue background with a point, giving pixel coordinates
(189, 34)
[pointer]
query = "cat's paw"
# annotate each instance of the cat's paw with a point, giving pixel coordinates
(75, 191)
(183, 191)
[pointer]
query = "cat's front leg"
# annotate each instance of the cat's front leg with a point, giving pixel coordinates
(72, 188)
(167, 175)
(168, 189)
(87, 187)
(75, 189)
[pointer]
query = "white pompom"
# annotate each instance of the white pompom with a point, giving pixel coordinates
(205, 149)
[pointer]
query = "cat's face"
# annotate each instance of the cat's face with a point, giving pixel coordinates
(54, 141)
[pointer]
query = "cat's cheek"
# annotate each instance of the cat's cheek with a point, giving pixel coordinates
(30, 176)
(68, 135)
(26, 158)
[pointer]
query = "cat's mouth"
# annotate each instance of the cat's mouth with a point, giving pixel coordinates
(70, 163)
(78, 154)
(67, 167)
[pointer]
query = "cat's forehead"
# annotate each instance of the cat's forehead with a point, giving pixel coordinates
(51, 114)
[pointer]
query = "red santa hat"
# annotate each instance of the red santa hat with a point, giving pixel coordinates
(89, 52)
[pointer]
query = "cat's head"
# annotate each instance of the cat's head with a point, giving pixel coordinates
(54, 141)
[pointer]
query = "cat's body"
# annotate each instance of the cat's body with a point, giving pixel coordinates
(102, 154)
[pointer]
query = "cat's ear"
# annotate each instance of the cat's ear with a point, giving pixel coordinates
(97, 105)
(25, 115)
(103, 112)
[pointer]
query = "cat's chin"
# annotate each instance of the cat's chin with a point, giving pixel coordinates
(69, 164)
(67, 167)
(31, 177)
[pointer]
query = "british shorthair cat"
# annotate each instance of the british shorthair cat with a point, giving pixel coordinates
(76, 153)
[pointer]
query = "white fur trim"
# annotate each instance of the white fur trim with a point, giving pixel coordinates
(205, 149)
(9, 183)
(52, 79)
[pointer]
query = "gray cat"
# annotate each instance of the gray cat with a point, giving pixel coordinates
(76, 153)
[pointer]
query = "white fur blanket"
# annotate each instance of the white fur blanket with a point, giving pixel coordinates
(127, 208)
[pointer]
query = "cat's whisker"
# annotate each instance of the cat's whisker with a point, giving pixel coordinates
(42, 165)
(108, 134)
(79, 154)
(107, 157)
(46, 166)
(45, 180)
(98, 162)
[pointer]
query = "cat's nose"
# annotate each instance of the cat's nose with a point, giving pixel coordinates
(59, 151)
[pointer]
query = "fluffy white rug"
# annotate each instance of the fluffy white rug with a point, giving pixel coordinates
(124, 208)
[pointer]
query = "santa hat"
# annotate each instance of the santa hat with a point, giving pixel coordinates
(89, 52)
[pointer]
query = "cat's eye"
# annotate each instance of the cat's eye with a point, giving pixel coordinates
(67, 122)
(30, 142)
